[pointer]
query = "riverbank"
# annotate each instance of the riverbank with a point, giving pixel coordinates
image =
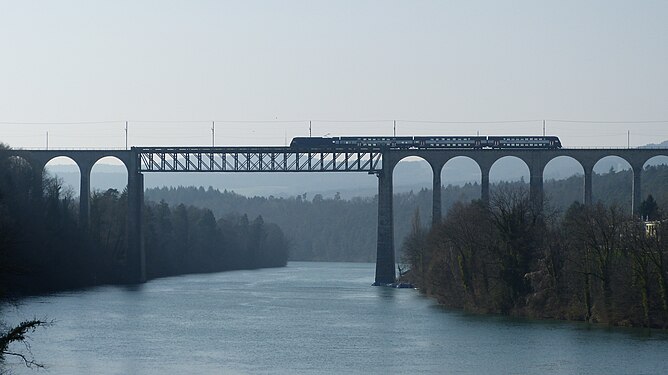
(595, 264)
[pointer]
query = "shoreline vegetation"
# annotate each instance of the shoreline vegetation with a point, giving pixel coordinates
(43, 248)
(595, 264)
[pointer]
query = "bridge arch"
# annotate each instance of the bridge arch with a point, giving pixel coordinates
(650, 160)
(469, 179)
(616, 160)
(67, 170)
(510, 170)
(109, 209)
(566, 175)
(620, 173)
(103, 173)
(412, 179)
(656, 160)
(111, 157)
(653, 175)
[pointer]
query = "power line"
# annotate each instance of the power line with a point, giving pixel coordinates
(470, 122)
(264, 121)
(353, 121)
(611, 122)
(333, 121)
(170, 121)
(59, 123)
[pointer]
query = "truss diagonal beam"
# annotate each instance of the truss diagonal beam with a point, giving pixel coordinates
(274, 159)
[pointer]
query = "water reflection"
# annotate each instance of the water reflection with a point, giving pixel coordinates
(313, 318)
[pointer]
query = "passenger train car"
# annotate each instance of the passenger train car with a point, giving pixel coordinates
(427, 142)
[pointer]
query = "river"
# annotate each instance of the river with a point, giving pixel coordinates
(311, 318)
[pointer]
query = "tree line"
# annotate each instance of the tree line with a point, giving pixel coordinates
(335, 229)
(593, 263)
(43, 247)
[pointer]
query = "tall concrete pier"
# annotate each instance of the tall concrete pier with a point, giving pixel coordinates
(385, 244)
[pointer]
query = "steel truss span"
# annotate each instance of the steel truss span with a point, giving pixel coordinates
(265, 159)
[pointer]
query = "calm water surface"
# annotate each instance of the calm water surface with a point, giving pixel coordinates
(311, 318)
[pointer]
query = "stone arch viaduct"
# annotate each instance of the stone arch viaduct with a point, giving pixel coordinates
(139, 160)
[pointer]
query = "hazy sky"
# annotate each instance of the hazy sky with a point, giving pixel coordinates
(191, 62)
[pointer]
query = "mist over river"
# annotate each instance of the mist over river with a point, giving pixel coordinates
(311, 318)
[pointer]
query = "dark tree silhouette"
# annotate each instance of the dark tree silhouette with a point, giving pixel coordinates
(649, 209)
(596, 263)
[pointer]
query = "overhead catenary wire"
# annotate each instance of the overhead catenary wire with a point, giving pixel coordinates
(297, 121)
(60, 123)
(468, 122)
(609, 122)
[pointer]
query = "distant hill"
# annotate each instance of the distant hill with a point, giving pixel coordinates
(663, 144)
(345, 230)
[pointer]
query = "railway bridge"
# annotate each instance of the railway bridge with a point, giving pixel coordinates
(140, 160)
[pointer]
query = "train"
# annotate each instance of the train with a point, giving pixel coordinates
(427, 142)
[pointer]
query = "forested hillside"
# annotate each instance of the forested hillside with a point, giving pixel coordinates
(596, 264)
(44, 248)
(345, 230)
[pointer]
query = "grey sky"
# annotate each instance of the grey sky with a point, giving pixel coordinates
(77, 61)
